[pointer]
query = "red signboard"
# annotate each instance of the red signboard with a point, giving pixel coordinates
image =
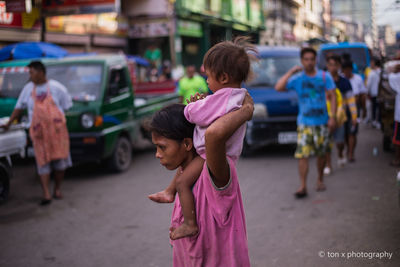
(68, 7)
(16, 20)
(67, 3)
(9, 19)
(15, 6)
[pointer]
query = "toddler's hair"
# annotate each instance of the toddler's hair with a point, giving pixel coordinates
(232, 58)
(171, 123)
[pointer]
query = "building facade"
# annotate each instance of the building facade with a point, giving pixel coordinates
(185, 29)
(387, 40)
(358, 12)
(281, 17)
(79, 26)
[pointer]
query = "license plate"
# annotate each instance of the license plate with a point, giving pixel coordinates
(287, 138)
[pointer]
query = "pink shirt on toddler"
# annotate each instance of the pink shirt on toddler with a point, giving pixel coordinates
(205, 111)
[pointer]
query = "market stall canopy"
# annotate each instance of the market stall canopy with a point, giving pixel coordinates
(27, 50)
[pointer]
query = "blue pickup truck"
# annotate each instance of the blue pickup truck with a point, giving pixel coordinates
(275, 113)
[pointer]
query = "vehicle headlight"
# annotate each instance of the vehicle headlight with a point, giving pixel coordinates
(87, 120)
(260, 111)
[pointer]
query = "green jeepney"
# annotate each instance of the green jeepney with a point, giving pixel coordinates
(106, 120)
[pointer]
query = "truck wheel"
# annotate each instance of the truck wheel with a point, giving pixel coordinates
(4, 182)
(122, 156)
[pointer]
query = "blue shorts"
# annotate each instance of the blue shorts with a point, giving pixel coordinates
(350, 129)
(55, 165)
(339, 135)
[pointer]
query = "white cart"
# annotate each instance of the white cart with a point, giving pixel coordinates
(12, 142)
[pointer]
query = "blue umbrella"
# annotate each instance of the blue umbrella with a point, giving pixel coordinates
(139, 60)
(28, 50)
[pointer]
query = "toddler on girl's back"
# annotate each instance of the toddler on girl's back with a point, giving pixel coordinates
(227, 65)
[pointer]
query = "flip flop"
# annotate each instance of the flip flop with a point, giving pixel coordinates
(301, 194)
(45, 202)
(57, 197)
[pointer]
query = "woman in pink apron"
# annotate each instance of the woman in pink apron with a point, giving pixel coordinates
(46, 100)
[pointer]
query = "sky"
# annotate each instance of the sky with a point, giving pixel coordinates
(388, 16)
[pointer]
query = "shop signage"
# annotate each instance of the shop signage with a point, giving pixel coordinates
(18, 20)
(105, 23)
(190, 28)
(68, 7)
(194, 5)
(150, 29)
(18, 6)
(5, 18)
(239, 10)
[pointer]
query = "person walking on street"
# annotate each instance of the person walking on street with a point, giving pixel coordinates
(313, 88)
(350, 109)
(359, 91)
(46, 101)
(372, 87)
(394, 81)
(191, 84)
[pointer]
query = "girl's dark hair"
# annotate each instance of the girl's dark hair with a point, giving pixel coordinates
(232, 58)
(170, 122)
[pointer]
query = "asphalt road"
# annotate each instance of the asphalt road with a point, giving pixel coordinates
(107, 220)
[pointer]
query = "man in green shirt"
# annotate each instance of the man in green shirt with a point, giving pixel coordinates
(191, 84)
(153, 54)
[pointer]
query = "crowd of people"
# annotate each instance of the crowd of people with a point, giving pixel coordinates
(332, 104)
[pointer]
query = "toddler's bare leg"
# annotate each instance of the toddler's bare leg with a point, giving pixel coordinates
(168, 194)
(184, 185)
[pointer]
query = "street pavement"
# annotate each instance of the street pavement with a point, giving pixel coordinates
(106, 219)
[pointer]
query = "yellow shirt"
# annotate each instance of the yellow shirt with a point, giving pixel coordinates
(188, 87)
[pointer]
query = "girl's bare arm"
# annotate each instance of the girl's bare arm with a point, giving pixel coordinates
(216, 136)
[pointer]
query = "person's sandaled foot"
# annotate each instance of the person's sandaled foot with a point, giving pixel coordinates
(300, 193)
(320, 187)
(183, 230)
(162, 197)
(57, 195)
(45, 202)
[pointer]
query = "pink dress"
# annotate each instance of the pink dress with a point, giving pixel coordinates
(222, 238)
(205, 111)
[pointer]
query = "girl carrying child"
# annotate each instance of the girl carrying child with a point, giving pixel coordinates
(227, 65)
